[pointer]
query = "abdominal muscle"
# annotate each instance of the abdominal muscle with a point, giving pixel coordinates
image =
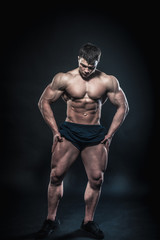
(84, 111)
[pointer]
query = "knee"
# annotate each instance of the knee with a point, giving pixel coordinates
(56, 177)
(96, 181)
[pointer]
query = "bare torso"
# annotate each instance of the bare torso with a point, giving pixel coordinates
(84, 98)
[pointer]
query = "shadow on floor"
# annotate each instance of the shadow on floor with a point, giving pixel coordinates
(72, 235)
(120, 218)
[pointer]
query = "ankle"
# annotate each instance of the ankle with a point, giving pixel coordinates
(86, 220)
(51, 218)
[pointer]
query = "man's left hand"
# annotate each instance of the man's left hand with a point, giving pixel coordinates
(107, 141)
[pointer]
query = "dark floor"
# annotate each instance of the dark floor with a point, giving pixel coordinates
(121, 218)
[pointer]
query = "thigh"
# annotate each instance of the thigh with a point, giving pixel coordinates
(65, 153)
(95, 159)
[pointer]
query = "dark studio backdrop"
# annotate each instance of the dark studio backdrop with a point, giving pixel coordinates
(40, 41)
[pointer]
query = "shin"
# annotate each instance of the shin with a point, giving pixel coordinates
(55, 193)
(91, 197)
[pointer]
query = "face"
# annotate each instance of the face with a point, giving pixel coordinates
(86, 69)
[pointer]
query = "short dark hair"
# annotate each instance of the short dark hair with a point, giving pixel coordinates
(90, 53)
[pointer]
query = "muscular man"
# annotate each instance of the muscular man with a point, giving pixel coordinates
(84, 89)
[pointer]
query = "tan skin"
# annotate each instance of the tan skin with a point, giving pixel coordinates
(84, 89)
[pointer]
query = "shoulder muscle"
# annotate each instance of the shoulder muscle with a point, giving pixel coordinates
(56, 88)
(59, 81)
(115, 93)
(113, 85)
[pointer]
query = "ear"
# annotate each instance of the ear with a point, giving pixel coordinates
(79, 58)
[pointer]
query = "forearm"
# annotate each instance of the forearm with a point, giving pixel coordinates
(117, 121)
(48, 115)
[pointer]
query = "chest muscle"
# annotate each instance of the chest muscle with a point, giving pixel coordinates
(85, 90)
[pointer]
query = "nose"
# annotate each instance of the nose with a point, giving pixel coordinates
(86, 70)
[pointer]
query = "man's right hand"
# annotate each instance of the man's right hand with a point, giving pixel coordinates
(56, 138)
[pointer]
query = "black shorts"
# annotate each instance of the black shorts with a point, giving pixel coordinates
(82, 135)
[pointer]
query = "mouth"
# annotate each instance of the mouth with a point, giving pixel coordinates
(86, 74)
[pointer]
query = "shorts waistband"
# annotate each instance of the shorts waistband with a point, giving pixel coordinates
(83, 125)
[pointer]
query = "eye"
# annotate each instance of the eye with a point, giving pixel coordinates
(91, 68)
(83, 65)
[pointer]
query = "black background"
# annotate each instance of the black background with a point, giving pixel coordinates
(41, 40)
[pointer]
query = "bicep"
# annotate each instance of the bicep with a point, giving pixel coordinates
(115, 94)
(117, 98)
(50, 94)
(53, 91)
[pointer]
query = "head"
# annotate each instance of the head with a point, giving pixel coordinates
(88, 58)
